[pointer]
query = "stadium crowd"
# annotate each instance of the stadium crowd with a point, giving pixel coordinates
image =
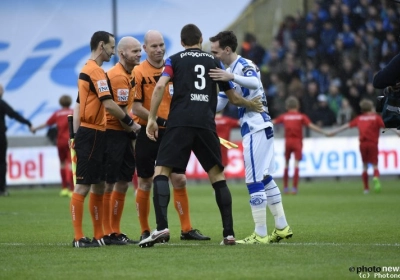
(327, 57)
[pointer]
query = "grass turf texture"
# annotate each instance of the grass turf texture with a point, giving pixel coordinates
(335, 227)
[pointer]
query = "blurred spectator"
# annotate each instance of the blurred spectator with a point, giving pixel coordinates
(324, 77)
(354, 99)
(327, 39)
(334, 98)
(311, 50)
(345, 73)
(286, 31)
(347, 36)
(309, 73)
(345, 113)
(346, 15)
(373, 52)
(309, 101)
(338, 54)
(323, 116)
(389, 49)
(296, 88)
(371, 93)
(278, 105)
(275, 84)
(335, 17)
(312, 31)
(252, 50)
(289, 69)
(379, 32)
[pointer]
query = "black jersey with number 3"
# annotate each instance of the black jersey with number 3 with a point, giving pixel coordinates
(194, 97)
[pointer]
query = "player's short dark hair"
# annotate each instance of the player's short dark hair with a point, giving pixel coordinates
(99, 36)
(225, 39)
(291, 103)
(65, 100)
(190, 35)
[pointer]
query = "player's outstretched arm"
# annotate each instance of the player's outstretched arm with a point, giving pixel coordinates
(250, 82)
(39, 127)
(253, 104)
(339, 129)
(317, 129)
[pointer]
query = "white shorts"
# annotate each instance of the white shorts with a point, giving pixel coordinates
(259, 155)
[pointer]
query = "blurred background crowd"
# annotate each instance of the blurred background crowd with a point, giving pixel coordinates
(326, 57)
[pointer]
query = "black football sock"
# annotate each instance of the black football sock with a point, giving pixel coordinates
(224, 202)
(161, 197)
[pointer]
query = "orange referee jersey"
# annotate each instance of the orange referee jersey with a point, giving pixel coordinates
(93, 89)
(120, 82)
(145, 78)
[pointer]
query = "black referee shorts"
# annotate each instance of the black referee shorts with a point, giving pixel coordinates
(178, 142)
(146, 152)
(89, 147)
(119, 157)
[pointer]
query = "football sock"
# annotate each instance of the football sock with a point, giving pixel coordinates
(143, 209)
(161, 197)
(286, 177)
(96, 213)
(274, 200)
(258, 205)
(63, 173)
(107, 213)
(296, 177)
(364, 177)
(181, 203)
(224, 201)
(117, 207)
(76, 210)
(376, 172)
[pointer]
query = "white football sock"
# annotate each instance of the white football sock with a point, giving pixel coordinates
(274, 200)
(258, 204)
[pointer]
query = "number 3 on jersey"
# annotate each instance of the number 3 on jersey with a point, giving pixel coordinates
(202, 84)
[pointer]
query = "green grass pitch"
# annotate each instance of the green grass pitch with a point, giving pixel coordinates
(335, 227)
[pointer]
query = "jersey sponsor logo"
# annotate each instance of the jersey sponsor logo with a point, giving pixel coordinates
(122, 94)
(293, 117)
(198, 97)
(196, 54)
(102, 85)
(368, 118)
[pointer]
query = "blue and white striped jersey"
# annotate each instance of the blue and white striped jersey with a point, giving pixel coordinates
(250, 121)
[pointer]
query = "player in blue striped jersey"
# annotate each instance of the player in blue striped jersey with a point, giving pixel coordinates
(258, 145)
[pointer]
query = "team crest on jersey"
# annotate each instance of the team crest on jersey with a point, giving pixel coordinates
(123, 94)
(102, 85)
